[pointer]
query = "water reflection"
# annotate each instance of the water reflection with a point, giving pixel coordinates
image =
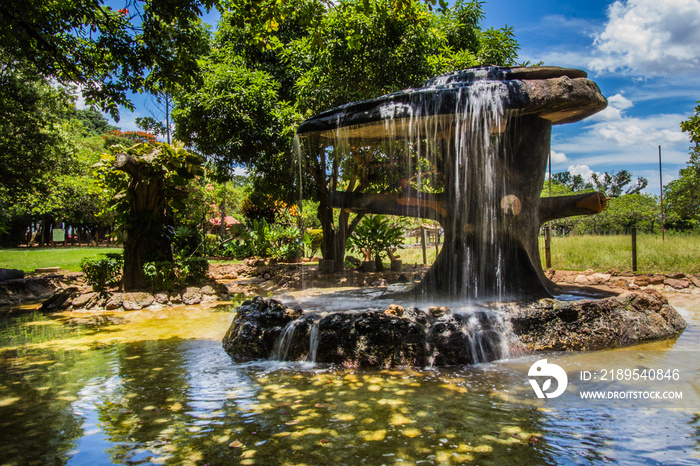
(158, 389)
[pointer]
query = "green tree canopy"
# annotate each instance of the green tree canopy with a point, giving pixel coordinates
(682, 196)
(145, 45)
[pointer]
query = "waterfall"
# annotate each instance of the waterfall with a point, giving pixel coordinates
(281, 348)
(313, 342)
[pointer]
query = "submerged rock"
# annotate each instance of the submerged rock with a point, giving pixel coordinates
(408, 336)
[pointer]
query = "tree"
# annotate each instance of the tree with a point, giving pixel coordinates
(150, 181)
(611, 184)
(31, 112)
(682, 196)
(148, 44)
(268, 71)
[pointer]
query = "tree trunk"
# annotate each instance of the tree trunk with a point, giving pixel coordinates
(143, 241)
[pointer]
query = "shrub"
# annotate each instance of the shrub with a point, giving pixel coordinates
(161, 275)
(103, 271)
(312, 241)
(166, 275)
(195, 269)
(375, 235)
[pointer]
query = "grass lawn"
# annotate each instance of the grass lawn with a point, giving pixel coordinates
(68, 259)
(677, 253)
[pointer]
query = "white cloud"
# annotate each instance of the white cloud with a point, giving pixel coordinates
(653, 37)
(614, 110)
(583, 170)
(558, 157)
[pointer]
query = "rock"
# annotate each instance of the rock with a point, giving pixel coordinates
(657, 279)
(380, 282)
(401, 336)
(589, 272)
(256, 326)
(135, 301)
(114, 302)
(676, 276)
(550, 273)
(595, 324)
(599, 278)
(83, 300)
(192, 295)
(695, 281)
(11, 274)
(441, 311)
(581, 279)
(633, 286)
(208, 290)
(31, 288)
(642, 280)
(60, 300)
(394, 310)
(402, 278)
(161, 298)
(230, 276)
(677, 284)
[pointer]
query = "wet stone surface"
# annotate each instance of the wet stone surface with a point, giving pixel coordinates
(398, 336)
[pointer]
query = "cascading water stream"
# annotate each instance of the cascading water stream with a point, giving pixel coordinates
(284, 341)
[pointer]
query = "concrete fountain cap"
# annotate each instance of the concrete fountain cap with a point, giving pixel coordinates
(559, 95)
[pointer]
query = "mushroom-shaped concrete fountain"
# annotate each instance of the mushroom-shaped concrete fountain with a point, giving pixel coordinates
(468, 149)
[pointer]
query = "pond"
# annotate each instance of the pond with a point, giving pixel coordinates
(155, 387)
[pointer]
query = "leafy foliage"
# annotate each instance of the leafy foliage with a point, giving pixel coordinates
(611, 184)
(682, 196)
(165, 275)
(106, 51)
(104, 272)
(375, 235)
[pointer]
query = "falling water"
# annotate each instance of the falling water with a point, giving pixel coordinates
(313, 342)
(281, 348)
(465, 148)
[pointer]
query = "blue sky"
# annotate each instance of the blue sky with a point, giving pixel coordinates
(644, 55)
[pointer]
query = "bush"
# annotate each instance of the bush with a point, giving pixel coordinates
(162, 275)
(312, 241)
(195, 269)
(102, 272)
(166, 275)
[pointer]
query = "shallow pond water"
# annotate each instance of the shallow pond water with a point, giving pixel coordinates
(155, 387)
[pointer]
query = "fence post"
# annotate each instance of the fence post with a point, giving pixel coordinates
(423, 241)
(634, 248)
(547, 247)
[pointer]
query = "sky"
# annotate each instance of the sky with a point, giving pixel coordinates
(643, 54)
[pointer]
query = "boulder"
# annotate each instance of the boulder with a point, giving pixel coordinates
(678, 284)
(255, 328)
(11, 274)
(84, 300)
(60, 300)
(192, 295)
(136, 300)
(595, 324)
(400, 336)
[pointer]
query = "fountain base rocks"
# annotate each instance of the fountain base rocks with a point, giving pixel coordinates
(408, 336)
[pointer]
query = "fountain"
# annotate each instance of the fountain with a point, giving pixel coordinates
(473, 148)
(468, 149)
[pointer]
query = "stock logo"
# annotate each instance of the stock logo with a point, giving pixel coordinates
(546, 372)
